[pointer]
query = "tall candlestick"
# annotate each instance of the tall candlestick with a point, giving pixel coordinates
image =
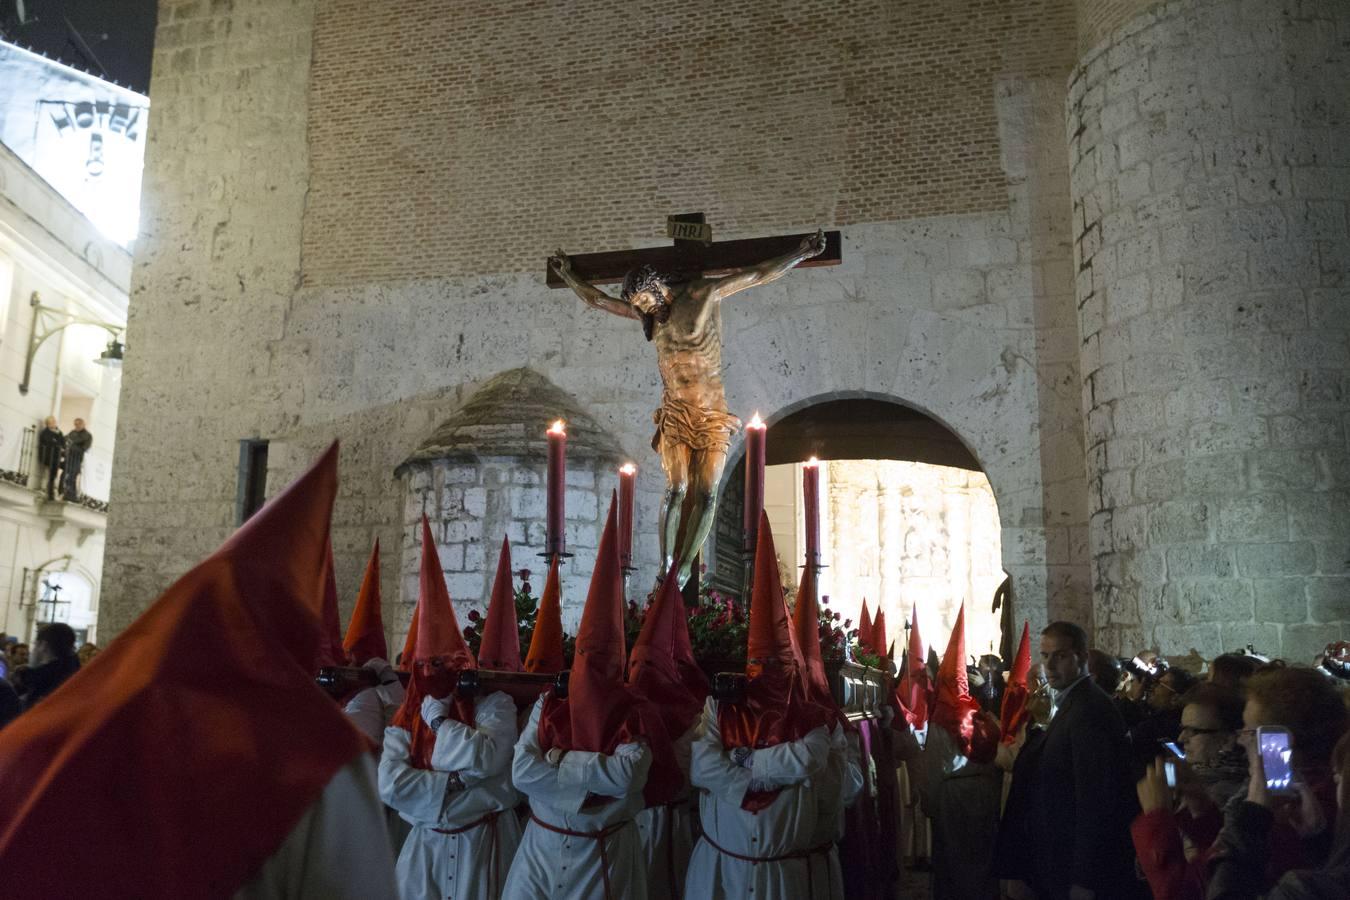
(755, 433)
(811, 509)
(627, 481)
(555, 538)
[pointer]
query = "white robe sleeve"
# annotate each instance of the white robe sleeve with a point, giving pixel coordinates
(483, 749)
(534, 776)
(339, 849)
(366, 712)
(791, 762)
(418, 794)
(710, 766)
(853, 773)
(600, 773)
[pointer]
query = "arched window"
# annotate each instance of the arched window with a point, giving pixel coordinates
(67, 597)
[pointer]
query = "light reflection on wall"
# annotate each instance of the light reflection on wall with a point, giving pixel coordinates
(904, 535)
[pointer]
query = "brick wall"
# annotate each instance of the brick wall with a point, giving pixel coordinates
(1210, 187)
(477, 142)
(1098, 18)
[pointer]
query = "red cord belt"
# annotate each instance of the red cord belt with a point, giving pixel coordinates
(489, 820)
(807, 855)
(598, 836)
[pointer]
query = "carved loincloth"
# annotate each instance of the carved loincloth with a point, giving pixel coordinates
(693, 426)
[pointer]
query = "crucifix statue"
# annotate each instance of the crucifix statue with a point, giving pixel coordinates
(676, 294)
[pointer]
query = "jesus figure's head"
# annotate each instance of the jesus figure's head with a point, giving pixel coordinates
(648, 292)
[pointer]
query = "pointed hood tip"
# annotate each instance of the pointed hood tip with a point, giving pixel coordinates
(598, 701)
(284, 547)
(365, 632)
(769, 635)
(879, 633)
(438, 632)
(1013, 710)
(545, 653)
(661, 665)
(806, 628)
(500, 647)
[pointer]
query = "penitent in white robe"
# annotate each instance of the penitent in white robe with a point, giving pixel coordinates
(371, 710)
(779, 836)
(471, 861)
(554, 866)
(667, 832)
(962, 799)
(837, 787)
(338, 849)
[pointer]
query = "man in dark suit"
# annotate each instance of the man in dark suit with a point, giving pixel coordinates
(51, 450)
(1076, 799)
(78, 442)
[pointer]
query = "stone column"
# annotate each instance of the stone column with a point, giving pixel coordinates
(1210, 154)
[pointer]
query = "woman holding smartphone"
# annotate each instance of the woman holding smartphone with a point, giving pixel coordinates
(1184, 790)
(1239, 872)
(1278, 841)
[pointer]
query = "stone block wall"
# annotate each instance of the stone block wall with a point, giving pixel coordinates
(218, 257)
(472, 505)
(1210, 144)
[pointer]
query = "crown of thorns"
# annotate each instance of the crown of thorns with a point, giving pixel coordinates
(643, 278)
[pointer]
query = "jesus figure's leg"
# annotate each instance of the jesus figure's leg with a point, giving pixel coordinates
(675, 462)
(705, 471)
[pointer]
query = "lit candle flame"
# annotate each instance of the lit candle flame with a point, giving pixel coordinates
(557, 428)
(628, 469)
(756, 421)
(811, 463)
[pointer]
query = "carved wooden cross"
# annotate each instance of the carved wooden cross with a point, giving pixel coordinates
(685, 257)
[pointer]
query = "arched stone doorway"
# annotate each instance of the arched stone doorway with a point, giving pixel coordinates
(909, 518)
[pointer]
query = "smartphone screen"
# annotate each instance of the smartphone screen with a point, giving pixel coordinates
(1275, 756)
(1171, 769)
(1174, 749)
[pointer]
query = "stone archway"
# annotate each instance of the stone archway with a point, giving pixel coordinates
(909, 448)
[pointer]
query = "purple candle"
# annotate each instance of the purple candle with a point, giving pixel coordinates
(755, 433)
(557, 489)
(811, 509)
(627, 481)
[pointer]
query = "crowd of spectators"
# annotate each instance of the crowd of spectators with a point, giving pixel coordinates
(1144, 777)
(27, 675)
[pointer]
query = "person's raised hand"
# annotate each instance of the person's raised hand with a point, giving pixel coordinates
(559, 263)
(433, 709)
(1152, 788)
(1306, 815)
(1257, 792)
(629, 751)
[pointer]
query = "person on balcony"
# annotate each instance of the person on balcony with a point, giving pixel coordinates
(78, 443)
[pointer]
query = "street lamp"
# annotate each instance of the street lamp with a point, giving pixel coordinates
(45, 316)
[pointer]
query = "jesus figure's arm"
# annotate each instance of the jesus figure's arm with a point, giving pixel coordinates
(769, 270)
(593, 296)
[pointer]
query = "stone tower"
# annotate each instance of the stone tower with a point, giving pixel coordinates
(1210, 180)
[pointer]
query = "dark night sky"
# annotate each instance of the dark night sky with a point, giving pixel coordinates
(128, 24)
